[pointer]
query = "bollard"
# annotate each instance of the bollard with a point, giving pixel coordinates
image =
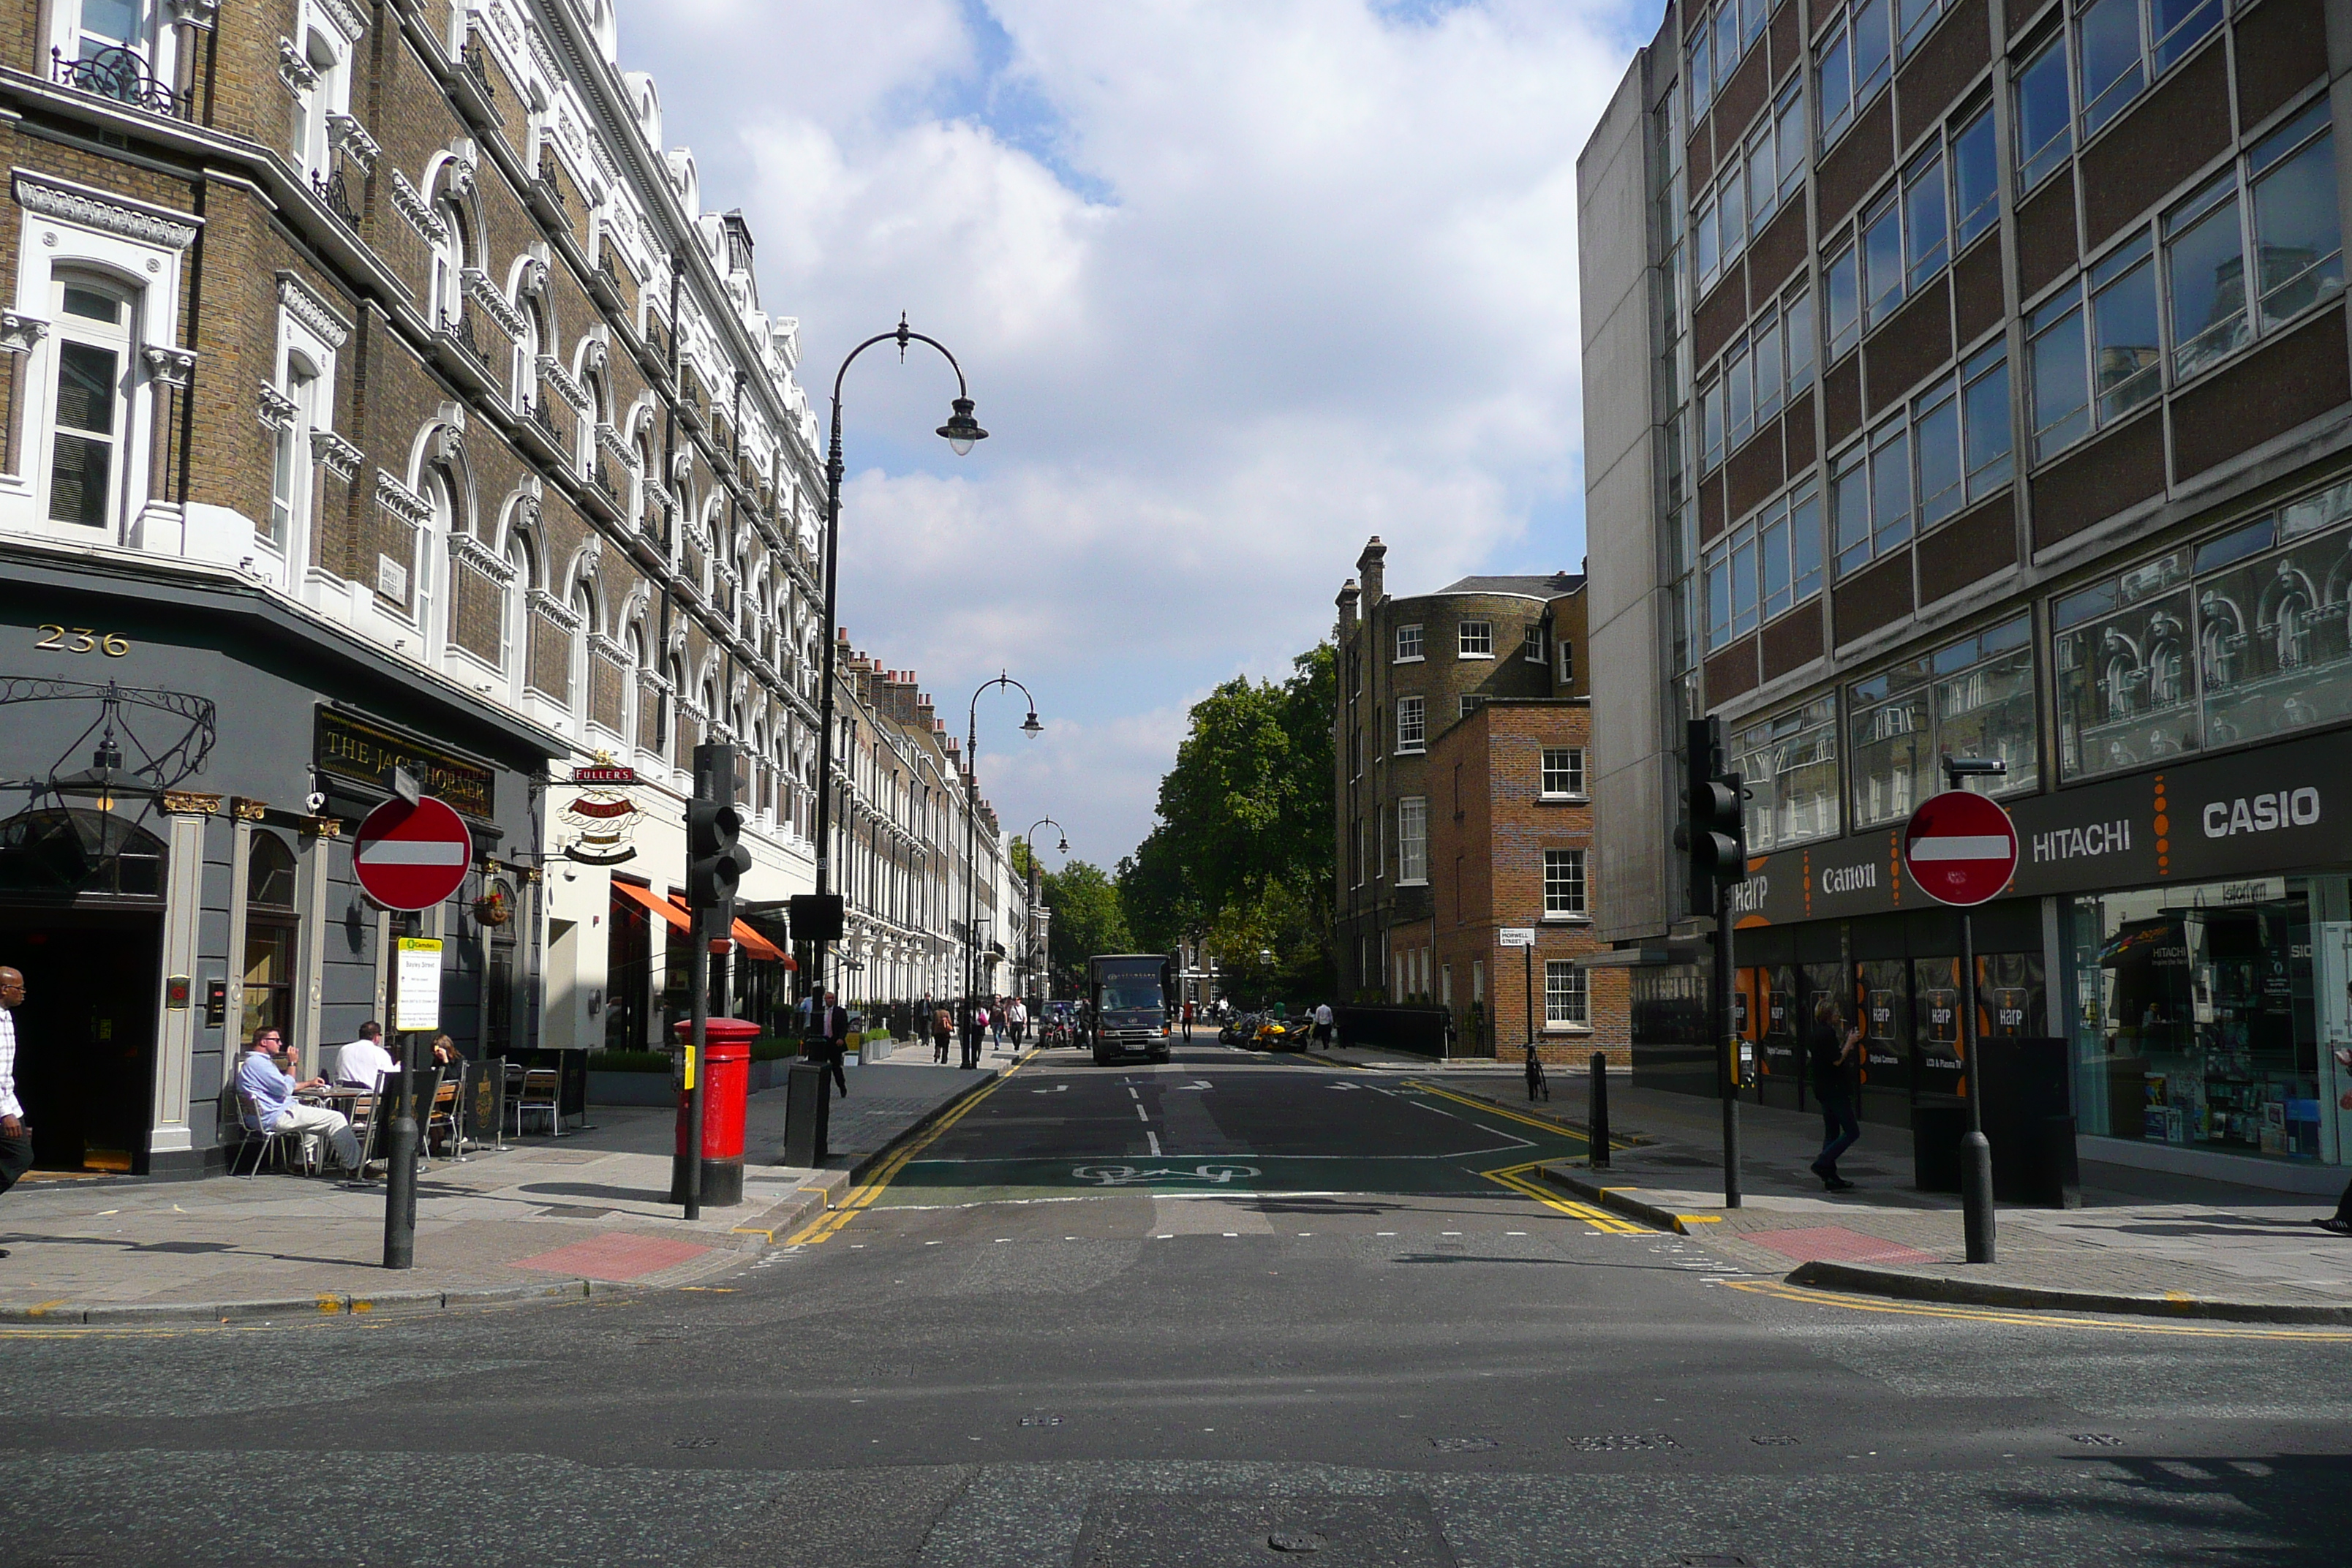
(1976, 1195)
(1597, 1116)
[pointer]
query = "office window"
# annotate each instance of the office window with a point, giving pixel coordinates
(1563, 770)
(1842, 285)
(1408, 644)
(1563, 882)
(1927, 226)
(1412, 839)
(1767, 565)
(1856, 58)
(1710, 426)
(1984, 409)
(1789, 764)
(1532, 646)
(1973, 697)
(1565, 1000)
(1474, 639)
(2121, 46)
(1882, 258)
(2204, 256)
(1922, 463)
(1976, 179)
(2045, 117)
(1411, 725)
(2061, 393)
(2127, 344)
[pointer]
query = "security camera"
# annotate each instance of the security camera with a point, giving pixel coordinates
(315, 802)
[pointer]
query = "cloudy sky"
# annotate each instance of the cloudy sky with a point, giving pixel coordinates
(1236, 283)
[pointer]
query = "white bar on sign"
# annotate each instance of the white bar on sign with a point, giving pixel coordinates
(412, 852)
(1977, 846)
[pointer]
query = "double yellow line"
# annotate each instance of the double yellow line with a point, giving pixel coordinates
(862, 1198)
(2030, 1317)
(1518, 1180)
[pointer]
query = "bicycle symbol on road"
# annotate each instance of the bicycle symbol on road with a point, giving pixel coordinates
(1129, 1175)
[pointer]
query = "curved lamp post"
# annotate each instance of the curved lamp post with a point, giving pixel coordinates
(1030, 932)
(1029, 727)
(961, 431)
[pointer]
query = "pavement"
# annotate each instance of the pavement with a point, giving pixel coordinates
(543, 1217)
(2144, 1243)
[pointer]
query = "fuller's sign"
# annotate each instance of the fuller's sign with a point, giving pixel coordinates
(2276, 809)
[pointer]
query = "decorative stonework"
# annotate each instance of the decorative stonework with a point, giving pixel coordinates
(340, 456)
(461, 169)
(532, 281)
(594, 355)
(170, 367)
(104, 211)
(296, 72)
(448, 442)
(347, 20)
(319, 319)
(484, 293)
(277, 410)
(401, 501)
(548, 607)
(347, 135)
(198, 14)
(552, 371)
(606, 649)
(465, 547)
(610, 440)
(191, 803)
(246, 810)
(412, 206)
(323, 826)
(21, 333)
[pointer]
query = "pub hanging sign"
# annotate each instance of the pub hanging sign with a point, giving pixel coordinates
(366, 753)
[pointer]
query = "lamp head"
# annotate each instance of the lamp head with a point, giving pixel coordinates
(1065, 850)
(1030, 726)
(961, 430)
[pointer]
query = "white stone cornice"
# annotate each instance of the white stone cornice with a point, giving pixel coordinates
(339, 455)
(481, 558)
(167, 365)
(611, 440)
(345, 133)
(277, 410)
(198, 14)
(21, 333)
(104, 210)
(547, 606)
(420, 216)
(296, 72)
(401, 501)
(605, 647)
(297, 300)
(484, 293)
(448, 442)
(347, 21)
(552, 371)
(532, 281)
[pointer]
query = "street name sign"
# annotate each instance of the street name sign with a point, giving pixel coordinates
(1960, 848)
(412, 857)
(1516, 936)
(416, 987)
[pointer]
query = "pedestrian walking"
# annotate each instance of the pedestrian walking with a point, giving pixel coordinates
(1539, 1087)
(1017, 1020)
(1831, 1047)
(942, 1026)
(16, 1138)
(833, 1040)
(975, 1030)
(997, 1023)
(1323, 1025)
(1188, 1020)
(2337, 1224)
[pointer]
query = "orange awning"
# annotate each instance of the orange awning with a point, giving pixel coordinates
(662, 907)
(758, 946)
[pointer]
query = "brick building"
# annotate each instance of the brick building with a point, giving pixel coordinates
(380, 390)
(1416, 672)
(1978, 384)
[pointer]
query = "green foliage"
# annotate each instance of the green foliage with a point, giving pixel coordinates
(1240, 859)
(1087, 919)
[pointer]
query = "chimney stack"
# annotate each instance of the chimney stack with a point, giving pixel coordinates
(1372, 571)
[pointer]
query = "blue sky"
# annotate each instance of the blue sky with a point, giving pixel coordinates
(1235, 284)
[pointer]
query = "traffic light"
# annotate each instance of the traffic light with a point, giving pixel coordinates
(715, 856)
(816, 916)
(1714, 833)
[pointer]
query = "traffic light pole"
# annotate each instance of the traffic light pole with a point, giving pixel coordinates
(696, 1073)
(1726, 980)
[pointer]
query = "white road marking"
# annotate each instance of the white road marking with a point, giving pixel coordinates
(1152, 1139)
(1141, 1114)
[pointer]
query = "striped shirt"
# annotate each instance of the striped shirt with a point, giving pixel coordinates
(8, 1105)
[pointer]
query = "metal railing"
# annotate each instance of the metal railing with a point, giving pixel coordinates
(478, 67)
(460, 331)
(331, 190)
(123, 76)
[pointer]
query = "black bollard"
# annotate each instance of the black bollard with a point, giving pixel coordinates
(1597, 1118)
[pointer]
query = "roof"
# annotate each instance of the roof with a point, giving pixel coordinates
(1533, 588)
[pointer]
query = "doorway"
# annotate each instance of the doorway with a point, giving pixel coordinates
(85, 1034)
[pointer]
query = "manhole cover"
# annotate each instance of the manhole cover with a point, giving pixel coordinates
(1463, 1445)
(694, 1442)
(1715, 1560)
(1621, 1442)
(2097, 1440)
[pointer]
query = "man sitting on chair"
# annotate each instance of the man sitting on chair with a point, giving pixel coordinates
(272, 1093)
(363, 1063)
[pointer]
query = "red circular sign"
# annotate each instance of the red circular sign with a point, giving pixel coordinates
(412, 857)
(1961, 847)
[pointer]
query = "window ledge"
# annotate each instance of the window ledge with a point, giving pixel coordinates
(1411, 751)
(1486, 658)
(1409, 658)
(1552, 920)
(1568, 1028)
(1413, 881)
(1549, 799)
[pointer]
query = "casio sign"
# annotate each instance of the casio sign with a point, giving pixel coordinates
(2262, 813)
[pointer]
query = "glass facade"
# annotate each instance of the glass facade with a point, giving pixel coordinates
(1973, 697)
(1790, 766)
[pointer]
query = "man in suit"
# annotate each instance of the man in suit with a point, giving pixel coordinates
(832, 1039)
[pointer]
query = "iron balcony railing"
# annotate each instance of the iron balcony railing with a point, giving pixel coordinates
(121, 74)
(331, 190)
(478, 68)
(460, 331)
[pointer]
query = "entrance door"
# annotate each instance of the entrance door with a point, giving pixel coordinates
(86, 1035)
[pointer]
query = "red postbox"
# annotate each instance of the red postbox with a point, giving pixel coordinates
(726, 1085)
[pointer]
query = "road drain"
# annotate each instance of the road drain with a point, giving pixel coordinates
(1621, 1442)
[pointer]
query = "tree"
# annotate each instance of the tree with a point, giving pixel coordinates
(1086, 919)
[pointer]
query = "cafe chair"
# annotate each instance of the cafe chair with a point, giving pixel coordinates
(541, 1092)
(264, 1142)
(442, 1117)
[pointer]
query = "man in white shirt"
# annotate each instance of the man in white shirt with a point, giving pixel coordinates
(275, 1110)
(16, 1139)
(1323, 1026)
(364, 1063)
(1016, 1019)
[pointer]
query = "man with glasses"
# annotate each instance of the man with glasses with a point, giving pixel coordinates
(271, 1092)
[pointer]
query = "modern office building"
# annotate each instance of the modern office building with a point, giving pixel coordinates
(1971, 379)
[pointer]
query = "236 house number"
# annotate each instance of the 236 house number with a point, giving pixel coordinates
(81, 639)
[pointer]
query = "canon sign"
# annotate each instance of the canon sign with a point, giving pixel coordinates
(2262, 813)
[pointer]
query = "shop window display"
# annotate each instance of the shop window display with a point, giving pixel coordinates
(2192, 1017)
(1884, 986)
(2243, 637)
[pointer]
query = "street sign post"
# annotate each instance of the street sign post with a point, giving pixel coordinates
(1960, 848)
(412, 857)
(412, 853)
(1524, 939)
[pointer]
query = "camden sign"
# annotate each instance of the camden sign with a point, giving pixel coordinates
(2283, 807)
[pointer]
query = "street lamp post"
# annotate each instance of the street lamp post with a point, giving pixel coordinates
(1029, 727)
(1029, 927)
(961, 431)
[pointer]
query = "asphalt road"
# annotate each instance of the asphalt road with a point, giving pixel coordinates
(1225, 1312)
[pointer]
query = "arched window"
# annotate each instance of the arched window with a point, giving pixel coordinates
(582, 685)
(528, 348)
(89, 401)
(522, 565)
(447, 285)
(270, 928)
(327, 94)
(290, 470)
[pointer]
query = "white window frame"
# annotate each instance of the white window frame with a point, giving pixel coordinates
(1462, 638)
(1567, 660)
(1575, 902)
(1410, 634)
(1533, 644)
(1413, 841)
(1571, 769)
(1418, 728)
(312, 342)
(1472, 701)
(1568, 996)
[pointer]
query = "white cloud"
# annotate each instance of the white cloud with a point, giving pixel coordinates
(1236, 284)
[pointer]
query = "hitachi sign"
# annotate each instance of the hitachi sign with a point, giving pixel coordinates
(2262, 813)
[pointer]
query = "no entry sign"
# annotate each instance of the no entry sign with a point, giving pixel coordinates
(412, 857)
(1960, 848)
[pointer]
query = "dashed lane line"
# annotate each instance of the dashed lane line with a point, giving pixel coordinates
(863, 1197)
